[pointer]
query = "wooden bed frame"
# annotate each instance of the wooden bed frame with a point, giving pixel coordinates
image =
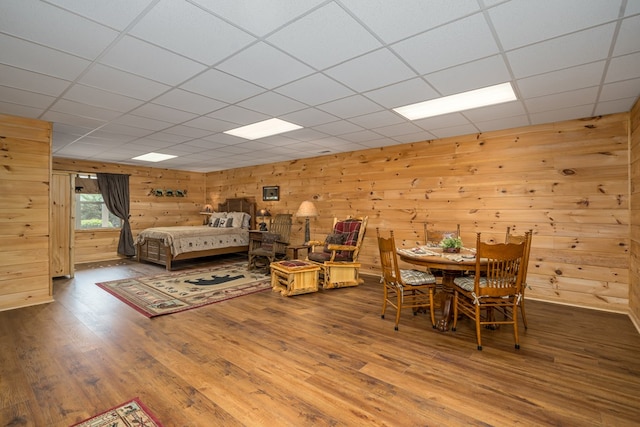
(155, 251)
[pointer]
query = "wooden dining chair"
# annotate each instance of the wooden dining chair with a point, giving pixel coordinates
(513, 238)
(403, 288)
(432, 239)
(495, 288)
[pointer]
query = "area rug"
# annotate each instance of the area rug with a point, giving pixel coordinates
(179, 291)
(131, 413)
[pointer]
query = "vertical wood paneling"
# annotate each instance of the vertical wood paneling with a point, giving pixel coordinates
(634, 268)
(567, 181)
(146, 209)
(25, 173)
(61, 225)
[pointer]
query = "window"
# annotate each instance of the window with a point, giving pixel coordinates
(91, 211)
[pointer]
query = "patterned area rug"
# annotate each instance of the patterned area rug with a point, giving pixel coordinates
(131, 413)
(173, 292)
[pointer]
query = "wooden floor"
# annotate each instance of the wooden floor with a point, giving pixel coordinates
(323, 359)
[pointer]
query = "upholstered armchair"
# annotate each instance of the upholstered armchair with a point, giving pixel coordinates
(338, 254)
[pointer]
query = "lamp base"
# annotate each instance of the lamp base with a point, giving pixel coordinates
(263, 226)
(307, 233)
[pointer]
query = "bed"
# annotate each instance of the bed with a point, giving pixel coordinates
(164, 245)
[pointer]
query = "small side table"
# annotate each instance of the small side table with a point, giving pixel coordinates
(296, 248)
(294, 277)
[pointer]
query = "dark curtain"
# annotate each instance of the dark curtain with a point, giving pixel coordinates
(115, 192)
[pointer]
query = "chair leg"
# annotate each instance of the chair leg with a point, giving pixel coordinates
(524, 317)
(399, 306)
(455, 311)
(478, 328)
(515, 326)
(431, 310)
(384, 301)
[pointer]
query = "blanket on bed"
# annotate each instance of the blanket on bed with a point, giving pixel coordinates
(190, 238)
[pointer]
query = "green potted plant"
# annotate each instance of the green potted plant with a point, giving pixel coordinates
(451, 244)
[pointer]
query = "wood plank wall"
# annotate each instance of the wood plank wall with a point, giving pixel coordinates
(25, 174)
(146, 209)
(634, 270)
(567, 181)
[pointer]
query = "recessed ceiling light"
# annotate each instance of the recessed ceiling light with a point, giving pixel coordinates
(154, 157)
(462, 101)
(262, 129)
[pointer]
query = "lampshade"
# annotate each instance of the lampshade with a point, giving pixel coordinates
(263, 213)
(307, 209)
(208, 208)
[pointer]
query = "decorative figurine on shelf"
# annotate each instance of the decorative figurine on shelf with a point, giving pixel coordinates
(262, 214)
(451, 244)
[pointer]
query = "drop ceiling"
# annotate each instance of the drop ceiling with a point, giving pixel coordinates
(122, 78)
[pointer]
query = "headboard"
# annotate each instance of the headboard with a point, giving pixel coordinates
(240, 204)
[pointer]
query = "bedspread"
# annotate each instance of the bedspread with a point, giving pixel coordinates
(191, 238)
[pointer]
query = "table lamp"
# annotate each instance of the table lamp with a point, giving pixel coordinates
(307, 210)
(262, 214)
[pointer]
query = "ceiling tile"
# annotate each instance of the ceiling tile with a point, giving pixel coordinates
(127, 84)
(309, 117)
(188, 101)
(141, 58)
(20, 110)
(184, 28)
(628, 36)
(500, 111)
(619, 90)
(222, 86)
(405, 93)
(101, 98)
(459, 42)
(560, 81)
(142, 122)
(623, 68)
(33, 82)
(114, 13)
(562, 52)
(23, 18)
(503, 123)
(337, 128)
(519, 22)
(235, 116)
(352, 106)
(73, 120)
(325, 37)
(84, 110)
(169, 115)
(32, 57)
(209, 124)
(272, 104)
(454, 131)
(259, 17)
(25, 98)
(551, 116)
(383, 68)
(564, 100)
(392, 23)
(264, 65)
(315, 89)
(473, 75)
(377, 119)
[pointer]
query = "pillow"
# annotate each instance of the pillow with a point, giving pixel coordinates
(334, 239)
(238, 219)
(224, 223)
(216, 215)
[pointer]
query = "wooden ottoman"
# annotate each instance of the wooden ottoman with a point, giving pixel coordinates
(294, 277)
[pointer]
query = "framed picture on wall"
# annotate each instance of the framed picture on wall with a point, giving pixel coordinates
(271, 192)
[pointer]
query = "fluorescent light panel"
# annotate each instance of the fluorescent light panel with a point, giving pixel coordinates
(154, 157)
(462, 101)
(262, 129)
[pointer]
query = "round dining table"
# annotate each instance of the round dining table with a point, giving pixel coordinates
(451, 265)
